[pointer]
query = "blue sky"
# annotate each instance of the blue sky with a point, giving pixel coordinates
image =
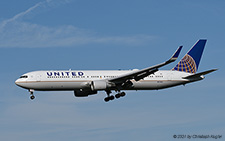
(103, 34)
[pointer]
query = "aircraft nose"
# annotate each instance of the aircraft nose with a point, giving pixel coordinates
(17, 82)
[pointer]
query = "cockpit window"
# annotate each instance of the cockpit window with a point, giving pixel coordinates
(24, 76)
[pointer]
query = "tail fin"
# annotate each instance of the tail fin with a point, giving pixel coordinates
(189, 63)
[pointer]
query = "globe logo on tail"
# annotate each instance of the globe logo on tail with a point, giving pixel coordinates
(187, 64)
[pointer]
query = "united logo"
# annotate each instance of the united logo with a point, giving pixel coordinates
(187, 64)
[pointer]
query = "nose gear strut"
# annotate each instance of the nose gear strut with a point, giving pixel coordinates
(31, 94)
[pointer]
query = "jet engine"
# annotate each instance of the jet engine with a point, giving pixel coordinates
(85, 93)
(98, 85)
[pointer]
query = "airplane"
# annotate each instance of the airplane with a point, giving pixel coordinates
(89, 82)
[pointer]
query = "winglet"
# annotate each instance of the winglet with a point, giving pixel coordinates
(175, 55)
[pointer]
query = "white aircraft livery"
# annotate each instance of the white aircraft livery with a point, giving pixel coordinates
(85, 83)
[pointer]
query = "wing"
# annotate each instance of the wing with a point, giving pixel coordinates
(140, 74)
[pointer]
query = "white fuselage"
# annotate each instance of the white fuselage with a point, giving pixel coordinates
(85, 83)
(77, 80)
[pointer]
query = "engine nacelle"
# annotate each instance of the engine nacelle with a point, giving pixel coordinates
(79, 93)
(98, 85)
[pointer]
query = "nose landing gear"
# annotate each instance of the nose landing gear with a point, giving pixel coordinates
(32, 94)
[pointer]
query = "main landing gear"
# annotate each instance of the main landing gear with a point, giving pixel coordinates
(122, 94)
(111, 97)
(32, 94)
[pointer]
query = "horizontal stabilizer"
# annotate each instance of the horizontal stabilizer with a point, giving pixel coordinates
(199, 74)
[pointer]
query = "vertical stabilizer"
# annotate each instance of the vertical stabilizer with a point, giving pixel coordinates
(189, 63)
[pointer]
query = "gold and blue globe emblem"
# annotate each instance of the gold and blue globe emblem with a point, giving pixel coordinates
(187, 64)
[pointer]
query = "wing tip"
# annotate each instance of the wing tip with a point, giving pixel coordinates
(176, 54)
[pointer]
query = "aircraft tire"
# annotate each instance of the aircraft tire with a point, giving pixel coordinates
(117, 95)
(122, 94)
(106, 99)
(112, 97)
(32, 97)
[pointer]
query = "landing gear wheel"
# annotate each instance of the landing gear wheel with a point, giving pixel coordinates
(117, 95)
(107, 99)
(111, 97)
(122, 94)
(32, 97)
